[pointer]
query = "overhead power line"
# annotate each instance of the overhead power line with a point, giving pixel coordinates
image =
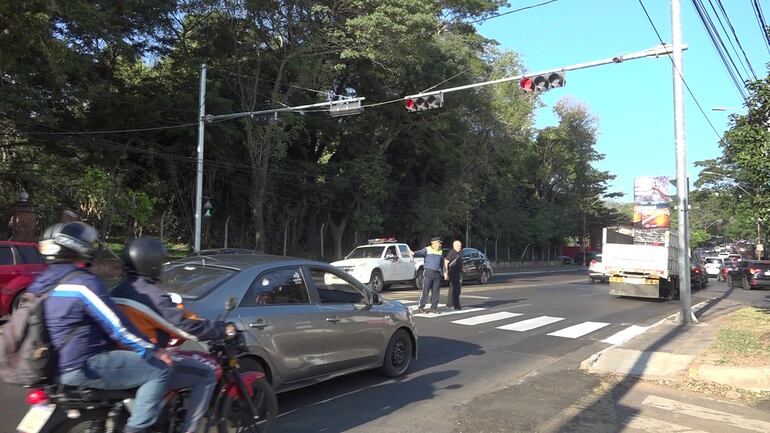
(730, 40)
(757, 8)
(735, 36)
(687, 86)
(511, 12)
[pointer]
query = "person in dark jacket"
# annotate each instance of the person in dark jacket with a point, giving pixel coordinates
(84, 324)
(433, 270)
(154, 313)
(454, 265)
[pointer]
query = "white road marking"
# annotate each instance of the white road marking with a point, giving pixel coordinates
(530, 324)
(579, 330)
(653, 425)
(427, 306)
(407, 302)
(625, 335)
(486, 318)
(475, 297)
(448, 313)
(706, 414)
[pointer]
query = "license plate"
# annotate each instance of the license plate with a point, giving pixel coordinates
(36, 418)
(767, 273)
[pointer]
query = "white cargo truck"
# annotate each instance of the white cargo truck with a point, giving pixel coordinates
(642, 263)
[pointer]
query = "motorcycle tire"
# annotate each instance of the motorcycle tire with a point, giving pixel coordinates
(88, 421)
(235, 412)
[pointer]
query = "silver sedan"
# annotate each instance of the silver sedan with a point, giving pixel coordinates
(305, 321)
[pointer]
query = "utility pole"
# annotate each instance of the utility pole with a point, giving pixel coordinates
(686, 315)
(199, 166)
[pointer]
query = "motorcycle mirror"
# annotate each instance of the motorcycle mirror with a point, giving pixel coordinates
(230, 303)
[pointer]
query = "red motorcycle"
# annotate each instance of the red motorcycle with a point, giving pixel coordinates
(242, 402)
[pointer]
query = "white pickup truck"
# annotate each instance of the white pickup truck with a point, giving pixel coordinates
(383, 262)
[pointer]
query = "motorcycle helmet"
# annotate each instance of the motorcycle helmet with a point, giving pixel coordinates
(145, 257)
(68, 242)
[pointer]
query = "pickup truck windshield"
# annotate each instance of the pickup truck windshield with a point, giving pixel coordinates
(366, 253)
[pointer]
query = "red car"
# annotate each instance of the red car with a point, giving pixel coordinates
(20, 264)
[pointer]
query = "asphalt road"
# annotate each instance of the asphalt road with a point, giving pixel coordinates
(463, 363)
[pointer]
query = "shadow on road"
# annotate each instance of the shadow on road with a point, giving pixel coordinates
(605, 414)
(349, 401)
(494, 303)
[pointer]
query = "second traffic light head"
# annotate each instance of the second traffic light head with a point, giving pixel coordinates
(424, 102)
(543, 82)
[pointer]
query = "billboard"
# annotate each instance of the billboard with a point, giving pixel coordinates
(651, 202)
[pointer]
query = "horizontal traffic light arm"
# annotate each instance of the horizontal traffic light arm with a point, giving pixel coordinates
(651, 52)
(330, 105)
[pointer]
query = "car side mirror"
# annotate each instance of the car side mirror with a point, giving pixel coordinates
(230, 304)
(376, 300)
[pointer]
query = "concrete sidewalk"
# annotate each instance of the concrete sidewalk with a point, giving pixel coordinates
(668, 350)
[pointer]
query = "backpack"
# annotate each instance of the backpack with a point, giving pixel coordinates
(27, 356)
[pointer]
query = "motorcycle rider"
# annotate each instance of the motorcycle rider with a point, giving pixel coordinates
(154, 313)
(83, 324)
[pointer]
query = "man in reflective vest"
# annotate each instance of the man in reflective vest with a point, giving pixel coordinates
(433, 270)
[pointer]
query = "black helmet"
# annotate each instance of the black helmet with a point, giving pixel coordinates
(145, 257)
(68, 242)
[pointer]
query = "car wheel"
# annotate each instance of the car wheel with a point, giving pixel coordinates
(248, 363)
(419, 278)
(591, 280)
(398, 356)
(377, 282)
(484, 277)
(745, 284)
(16, 302)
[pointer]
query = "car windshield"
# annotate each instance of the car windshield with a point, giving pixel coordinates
(712, 260)
(194, 280)
(598, 258)
(366, 253)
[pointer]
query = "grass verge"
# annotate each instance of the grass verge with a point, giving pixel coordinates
(744, 340)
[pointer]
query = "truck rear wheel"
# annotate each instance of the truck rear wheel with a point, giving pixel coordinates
(377, 282)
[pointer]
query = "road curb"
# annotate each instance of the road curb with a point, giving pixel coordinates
(613, 359)
(749, 378)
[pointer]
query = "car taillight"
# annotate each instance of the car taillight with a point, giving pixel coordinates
(755, 270)
(593, 262)
(697, 270)
(37, 396)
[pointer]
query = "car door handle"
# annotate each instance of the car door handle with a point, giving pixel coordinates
(259, 324)
(334, 319)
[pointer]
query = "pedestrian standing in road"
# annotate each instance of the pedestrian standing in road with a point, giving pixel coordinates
(433, 270)
(454, 266)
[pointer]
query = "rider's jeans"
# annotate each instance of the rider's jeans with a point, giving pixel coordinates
(120, 369)
(201, 380)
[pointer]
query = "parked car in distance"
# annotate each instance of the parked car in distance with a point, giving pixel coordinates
(565, 260)
(218, 251)
(476, 265)
(20, 264)
(713, 266)
(303, 321)
(734, 258)
(597, 271)
(750, 274)
(698, 276)
(583, 258)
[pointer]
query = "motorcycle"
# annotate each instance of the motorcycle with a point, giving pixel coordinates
(242, 401)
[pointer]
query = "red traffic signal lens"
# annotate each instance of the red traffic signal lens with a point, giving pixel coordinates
(409, 104)
(526, 84)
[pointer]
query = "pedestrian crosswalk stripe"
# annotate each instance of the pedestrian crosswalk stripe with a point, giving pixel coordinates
(706, 414)
(449, 312)
(475, 297)
(416, 307)
(486, 318)
(625, 335)
(644, 423)
(530, 324)
(579, 330)
(407, 302)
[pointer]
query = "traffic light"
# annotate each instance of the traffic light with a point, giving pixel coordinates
(541, 83)
(345, 107)
(424, 102)
(208, 209)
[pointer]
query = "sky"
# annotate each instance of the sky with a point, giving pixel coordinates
(633, 100)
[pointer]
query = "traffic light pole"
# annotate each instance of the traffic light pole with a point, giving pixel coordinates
(686, 315)
(199, 165)
(652, 52)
